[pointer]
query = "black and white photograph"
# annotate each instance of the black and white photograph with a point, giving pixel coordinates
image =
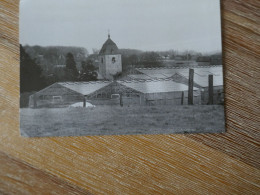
(120, 67)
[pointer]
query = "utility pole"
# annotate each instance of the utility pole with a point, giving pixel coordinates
(190, 90)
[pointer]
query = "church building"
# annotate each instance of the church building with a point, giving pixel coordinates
(110, 62)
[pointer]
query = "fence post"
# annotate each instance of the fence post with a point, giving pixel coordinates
(190, 90)
(34, 101)
(182, 97)
(121, 100)
(210, 89)
(84, 101)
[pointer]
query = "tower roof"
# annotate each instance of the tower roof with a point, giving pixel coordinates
(109, 47)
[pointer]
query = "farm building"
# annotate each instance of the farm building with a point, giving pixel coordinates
(161, 92)
(149, 92)
(181, 75)
(64, 93)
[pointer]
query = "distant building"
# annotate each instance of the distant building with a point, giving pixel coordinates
(179, 58)
(203, 61)
(110, 62)
(165, 57)
(209, 60)
(216, 60)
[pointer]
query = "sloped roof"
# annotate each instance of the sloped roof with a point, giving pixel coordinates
(155, 86)
(85, 88)
(142, 86)
(109, 47)
(200, 74)
(138, 76)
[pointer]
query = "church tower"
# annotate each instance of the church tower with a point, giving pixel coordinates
(110, 62)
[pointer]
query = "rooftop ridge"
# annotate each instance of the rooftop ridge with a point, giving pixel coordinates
(82, 82)
(146, 80)
(178, 67)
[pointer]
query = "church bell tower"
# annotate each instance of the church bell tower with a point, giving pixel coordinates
(110, 62)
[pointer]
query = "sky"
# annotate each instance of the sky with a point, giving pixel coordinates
(148, 25)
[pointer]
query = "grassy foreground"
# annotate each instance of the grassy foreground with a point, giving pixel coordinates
(116, 120)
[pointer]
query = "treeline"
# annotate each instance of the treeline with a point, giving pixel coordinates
(150, 59)
(48, 51)
(142, 59)
(33, 76)
(49, 57)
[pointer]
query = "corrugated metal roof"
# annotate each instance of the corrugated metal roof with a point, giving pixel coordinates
(200, 74)
(85, 88)
(155, 86)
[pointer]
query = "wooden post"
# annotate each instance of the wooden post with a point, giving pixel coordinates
(34, 101)
(190, 90)
(121, 100)
(182, 98)
(210, 102)
(84, 102)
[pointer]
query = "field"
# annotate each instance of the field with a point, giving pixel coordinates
(113, 120)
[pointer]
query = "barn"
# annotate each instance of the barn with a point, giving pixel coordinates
(125, 92)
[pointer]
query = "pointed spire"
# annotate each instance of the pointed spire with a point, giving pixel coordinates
(108, 33)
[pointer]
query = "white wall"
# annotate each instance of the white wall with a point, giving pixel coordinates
(113, 68)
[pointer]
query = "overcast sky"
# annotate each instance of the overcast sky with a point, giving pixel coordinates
(136, 24)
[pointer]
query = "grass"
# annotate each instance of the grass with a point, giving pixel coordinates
(116, 120)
